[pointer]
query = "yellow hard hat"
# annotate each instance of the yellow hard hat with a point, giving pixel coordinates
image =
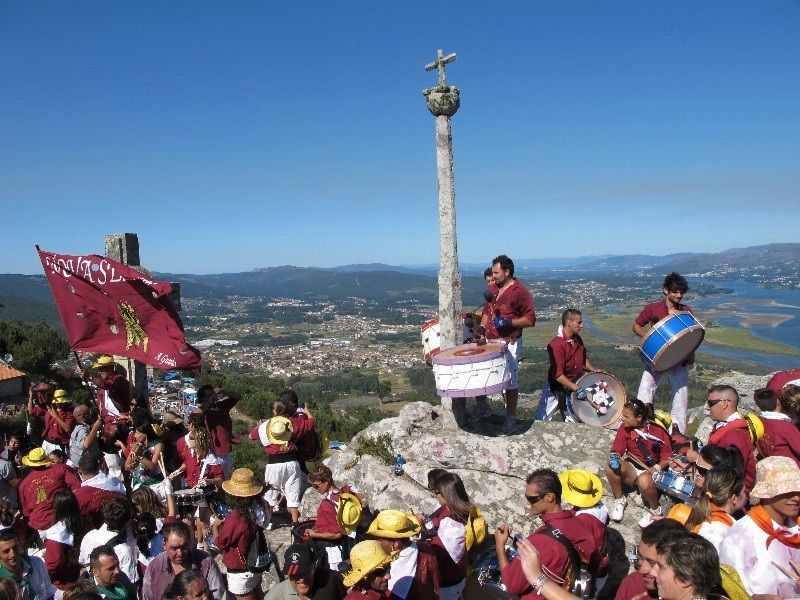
(755, 426)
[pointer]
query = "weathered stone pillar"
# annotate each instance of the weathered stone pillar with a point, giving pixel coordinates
(443, 102)
(124, 248)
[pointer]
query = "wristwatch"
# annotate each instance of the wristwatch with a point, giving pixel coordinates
(540, 582)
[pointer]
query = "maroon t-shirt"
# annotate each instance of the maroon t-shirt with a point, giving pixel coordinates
(90, 501)
(36, 493)
(567, 357)
(450, 572)
(653, 313)
(218, 419)
(625, 442)
(781, 438)
(735, 433)
(514, 302)
(782, 378)
(233, 541)
(631, 586)
(52, 430)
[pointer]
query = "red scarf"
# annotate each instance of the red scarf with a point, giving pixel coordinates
(764, 521)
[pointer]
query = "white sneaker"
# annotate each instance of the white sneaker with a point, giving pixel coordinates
(510, 425)
(618, 509)
(648, 517)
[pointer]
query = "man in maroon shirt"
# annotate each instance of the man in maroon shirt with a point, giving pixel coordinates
(216, 406)
(641, 581)
(730, 429)
(36, 490)
(568, 361)
(674, 288)
(781, 435)
(96, 487)
(543, 493)
(58, 419)
(504, 317)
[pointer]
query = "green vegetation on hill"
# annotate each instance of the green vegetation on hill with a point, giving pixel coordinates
(34, 347)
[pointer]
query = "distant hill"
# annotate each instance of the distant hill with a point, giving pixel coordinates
(27, 297)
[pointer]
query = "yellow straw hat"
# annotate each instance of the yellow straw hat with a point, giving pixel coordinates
(242, 484)
(394, 525)
(37, 458)
(580, 487)
(349, 512)
(279, 430)
(105, 360)
(365, 557)
(663, 420)
(60, 397)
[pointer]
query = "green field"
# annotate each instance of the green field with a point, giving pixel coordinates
(730, 337)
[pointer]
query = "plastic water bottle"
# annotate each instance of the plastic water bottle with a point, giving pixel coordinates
(399, 461)
(613, 461)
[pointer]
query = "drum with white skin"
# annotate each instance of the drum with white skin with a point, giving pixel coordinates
(471, 370)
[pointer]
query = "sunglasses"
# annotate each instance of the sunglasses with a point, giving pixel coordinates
(714, 401)
(534, 499)
(703, 471)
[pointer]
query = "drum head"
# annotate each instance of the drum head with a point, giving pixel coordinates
(679, 349)
(583, 412)
(299, 531)
(467, 354)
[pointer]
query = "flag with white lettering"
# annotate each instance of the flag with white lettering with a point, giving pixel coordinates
(112, 308)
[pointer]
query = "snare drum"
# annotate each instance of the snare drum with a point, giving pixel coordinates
(671, 341)
(430, 332)
(299, 535)
(187, 501)
(677, 485)
(604, 392)
(471, 370)
(486, 571)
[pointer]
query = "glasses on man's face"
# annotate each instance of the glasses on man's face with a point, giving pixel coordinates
(534, 499)
(702, 471)
(714, 401)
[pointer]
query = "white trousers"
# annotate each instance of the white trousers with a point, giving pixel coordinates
(678, 379)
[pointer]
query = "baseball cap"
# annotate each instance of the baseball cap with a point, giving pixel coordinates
(298, 559)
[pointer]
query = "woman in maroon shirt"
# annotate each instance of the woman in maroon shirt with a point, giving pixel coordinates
(234, 535)
(63, 540)
(645, 448)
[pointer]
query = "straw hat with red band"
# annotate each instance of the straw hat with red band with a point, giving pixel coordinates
(242, 484)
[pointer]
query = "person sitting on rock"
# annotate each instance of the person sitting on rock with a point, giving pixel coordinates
(645, 448)
(641, 581)
(584, 491)
(369, 574)
(414, 574)
(329, 531)
(781, 435)
(306, 578)
(560, 533)
(450, 541)
(730, 429)
(711, 516)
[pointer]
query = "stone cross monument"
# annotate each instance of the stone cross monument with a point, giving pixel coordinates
(124, 248)
(443, 102)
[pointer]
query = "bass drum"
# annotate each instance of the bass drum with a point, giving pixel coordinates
(671, 341)
(604, 400)
(483, 582)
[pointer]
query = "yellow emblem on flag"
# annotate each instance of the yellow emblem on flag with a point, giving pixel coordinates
(134, 334)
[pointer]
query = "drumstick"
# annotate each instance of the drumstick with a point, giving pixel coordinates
(161, 465)
(202, 473)
(795, 566)
(784, 570)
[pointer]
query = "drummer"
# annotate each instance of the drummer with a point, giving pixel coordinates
(674, 288)
(568, 361)
(504, 317)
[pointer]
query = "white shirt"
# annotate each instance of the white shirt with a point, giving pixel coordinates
(402, 571)
(714, 531)
(453, 536)
(127, 553)
(744, 547)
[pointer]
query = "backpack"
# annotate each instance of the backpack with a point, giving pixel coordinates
(580, 584)
(311, 446)
(258, 553)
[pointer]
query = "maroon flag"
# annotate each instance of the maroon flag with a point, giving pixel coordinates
(109, 307)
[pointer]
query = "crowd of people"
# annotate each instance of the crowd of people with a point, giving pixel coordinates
(113, 503)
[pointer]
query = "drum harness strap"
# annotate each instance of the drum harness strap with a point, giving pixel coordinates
(649, 459)
(579, 572)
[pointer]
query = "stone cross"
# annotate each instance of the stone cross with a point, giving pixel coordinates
(124, 248)
(443, 102)
(439, 63)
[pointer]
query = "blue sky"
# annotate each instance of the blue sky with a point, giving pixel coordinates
(238, 135)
